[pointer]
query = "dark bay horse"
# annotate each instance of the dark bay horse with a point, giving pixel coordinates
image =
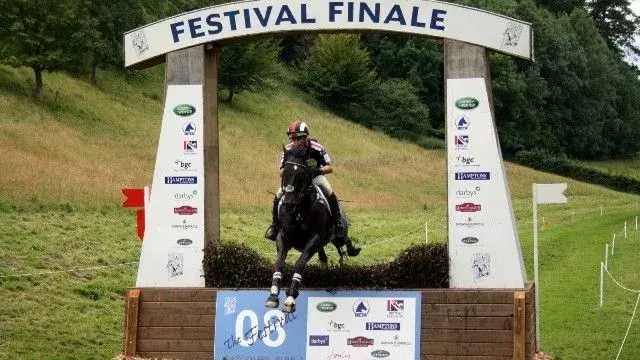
(305, 224)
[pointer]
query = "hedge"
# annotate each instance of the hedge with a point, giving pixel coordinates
(235, 265)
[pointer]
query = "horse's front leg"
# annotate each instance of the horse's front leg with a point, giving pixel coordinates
(312, 246)
(272, 300)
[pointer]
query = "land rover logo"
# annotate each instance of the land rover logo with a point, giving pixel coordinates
(326, 306)
(470, 240)
(184, 242)
(467, 103)
(380, 353)
(184, 110)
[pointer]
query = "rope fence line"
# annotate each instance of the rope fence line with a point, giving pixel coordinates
(66, 271)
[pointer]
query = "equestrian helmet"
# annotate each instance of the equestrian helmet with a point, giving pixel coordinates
(297, 129)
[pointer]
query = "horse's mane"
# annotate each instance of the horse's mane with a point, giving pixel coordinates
(299, 152)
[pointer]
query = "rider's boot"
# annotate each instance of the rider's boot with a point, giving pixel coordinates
(338, 228)
(272, 231)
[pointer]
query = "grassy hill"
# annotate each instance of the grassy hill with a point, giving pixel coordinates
(66, 162)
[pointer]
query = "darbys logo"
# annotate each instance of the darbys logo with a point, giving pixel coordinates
(185, 195)
(184, 110)
(359, 341)
(318, 340)
(467, 193)
(185, 210)
(468, 207)
(467, 103)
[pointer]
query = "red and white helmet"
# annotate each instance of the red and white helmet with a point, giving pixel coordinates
(297, 129)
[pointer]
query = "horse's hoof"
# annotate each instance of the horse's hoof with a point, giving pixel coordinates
(289, 308)
(353, 251)
(272, 301)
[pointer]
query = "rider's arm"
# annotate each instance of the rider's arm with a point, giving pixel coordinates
(326, 169)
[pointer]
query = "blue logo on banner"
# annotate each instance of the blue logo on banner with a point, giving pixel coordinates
(473, 176)
(383, 326)
(319, 340)
(181, 180)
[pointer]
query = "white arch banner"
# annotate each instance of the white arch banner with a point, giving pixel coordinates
(249, 18)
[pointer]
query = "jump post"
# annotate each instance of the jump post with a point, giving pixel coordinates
(488, 313)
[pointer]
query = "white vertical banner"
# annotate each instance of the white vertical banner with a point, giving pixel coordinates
(484, 250)
(174, 231)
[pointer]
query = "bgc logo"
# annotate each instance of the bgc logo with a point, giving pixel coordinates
(183, 165)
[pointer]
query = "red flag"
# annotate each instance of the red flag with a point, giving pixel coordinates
(134, 197)
(140, 222)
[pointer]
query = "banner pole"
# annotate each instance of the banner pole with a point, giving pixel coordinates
(535, 264)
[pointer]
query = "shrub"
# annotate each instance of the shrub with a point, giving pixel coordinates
(235, 265)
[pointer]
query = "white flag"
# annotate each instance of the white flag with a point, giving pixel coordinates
(550, 193)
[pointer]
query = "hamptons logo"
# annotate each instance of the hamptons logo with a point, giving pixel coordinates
(383, 326)
(180, 180)
(220, 23)
(473, 175)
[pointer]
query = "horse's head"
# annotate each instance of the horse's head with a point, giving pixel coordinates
(296, 177)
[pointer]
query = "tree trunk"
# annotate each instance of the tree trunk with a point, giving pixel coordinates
(94, 79)
(230, 97)
(39, 94)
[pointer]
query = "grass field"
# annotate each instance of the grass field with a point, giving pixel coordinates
(59, 210)
(629, 168)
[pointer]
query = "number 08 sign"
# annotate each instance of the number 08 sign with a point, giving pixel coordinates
(341, 325)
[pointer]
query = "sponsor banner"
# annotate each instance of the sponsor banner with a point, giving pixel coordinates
(240, 19)
(324, 326)
(484, 250)
(174, 233)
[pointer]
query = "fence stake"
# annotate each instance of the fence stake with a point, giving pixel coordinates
(542, 223)
(601, 284)
(426, 233)
(636, 223)
(606, 256)
(600, 210)
(573, 216)
(613, 244)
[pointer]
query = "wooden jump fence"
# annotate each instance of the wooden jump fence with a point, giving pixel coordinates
(457, 324)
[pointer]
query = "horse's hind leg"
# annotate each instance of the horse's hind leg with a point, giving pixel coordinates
(322, 256)
(298, 269)
(272, 300)
(339, 248)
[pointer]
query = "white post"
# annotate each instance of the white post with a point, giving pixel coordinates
(600, 210)
(601, 284)
(535, 262)
(426, 233)
(606, 256)
(542, 224)
(573, 216)
(625, 229)
(613, 244)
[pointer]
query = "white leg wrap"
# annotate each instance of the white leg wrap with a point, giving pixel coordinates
(275, 290)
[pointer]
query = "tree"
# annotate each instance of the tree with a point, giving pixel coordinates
(562, 6)
(46, 35)
(617, 23)
(247, 66)
(337, 70)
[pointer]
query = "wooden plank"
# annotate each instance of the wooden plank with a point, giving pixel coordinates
(162, 345)
(434, 296)
(133, 299)
(463, 335)
(176, 332)
(461, 296)
(157, 319)
(451, 348)
(468, 309)
(178, 308)
(518, 325)
(206, 355)
(178, 295)
(211, 147)
(473, 323)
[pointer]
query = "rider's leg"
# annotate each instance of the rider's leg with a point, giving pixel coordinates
(322, 182)
(272, 231)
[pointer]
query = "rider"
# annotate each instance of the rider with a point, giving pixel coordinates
(298, 133)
